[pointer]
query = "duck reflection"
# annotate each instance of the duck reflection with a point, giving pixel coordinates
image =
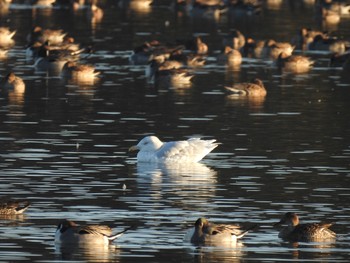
(12, 220)
(87, 252)
(253, 103)
(14, 87)
(195, 183)
(314, 250)
(217, 254)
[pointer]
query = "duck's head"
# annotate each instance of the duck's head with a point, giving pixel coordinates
(290, 219)
(201, 222)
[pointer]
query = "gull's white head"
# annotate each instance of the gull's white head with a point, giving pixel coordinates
(147, 144)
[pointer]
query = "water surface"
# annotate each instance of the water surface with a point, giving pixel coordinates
(64, 146)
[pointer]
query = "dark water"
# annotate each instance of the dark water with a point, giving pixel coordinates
(64, 147)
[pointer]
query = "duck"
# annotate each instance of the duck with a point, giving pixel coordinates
(253, 48)
(45, 3)
(207, 233)
(331, 16)
(153, 65)
(11, 81)
(326, 43)
(297, 64)
(196, 45)
(79, 72)
(207, 9)
(190, 60)
(272, 49)
(52, 59)
(295, 232)
(230, 57)
(94, 12)
(255, 88)
(68, 233)
(152, 150)
(235, 39)
(4, 7)
(12, 207)
(167, 73)
(305, 36)
(38, 34)
(173, 78)
(67, 47)
(149, 50)
(6, 36)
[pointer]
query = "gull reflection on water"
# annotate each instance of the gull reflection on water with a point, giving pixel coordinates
(180, 173)
(193, 183)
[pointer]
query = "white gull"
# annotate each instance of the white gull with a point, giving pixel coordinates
(151, 149)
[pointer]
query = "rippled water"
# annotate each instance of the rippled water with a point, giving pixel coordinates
(64, 146)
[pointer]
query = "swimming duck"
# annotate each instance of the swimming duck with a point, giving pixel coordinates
(167, 73)
(196, 45)
(79, 72)
(11, 81)
(207, 233)
(94, 12)
(253, 48)
(143, 54)
(69, 233)
(253, 89)
(331, 16)
(38, 34)
(6, 37)
(326, 43)
(153, 150)
(52, 59)
(272, 49)
(47, 3)
(12, 207)
(297, 64)
(68, 48)
(190, 60)
(230, 56)
(235, 39)
(295, 232)
(209, 9)
(173, 77)
(4, 7)
(304, 37)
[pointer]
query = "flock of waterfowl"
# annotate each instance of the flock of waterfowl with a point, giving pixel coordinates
(167, 65)
(152, 150)
(55, 51)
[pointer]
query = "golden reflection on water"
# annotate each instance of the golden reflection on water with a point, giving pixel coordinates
(12, 220)
(255, 103)
(88, 252)
(217, 254)
(314, 250)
